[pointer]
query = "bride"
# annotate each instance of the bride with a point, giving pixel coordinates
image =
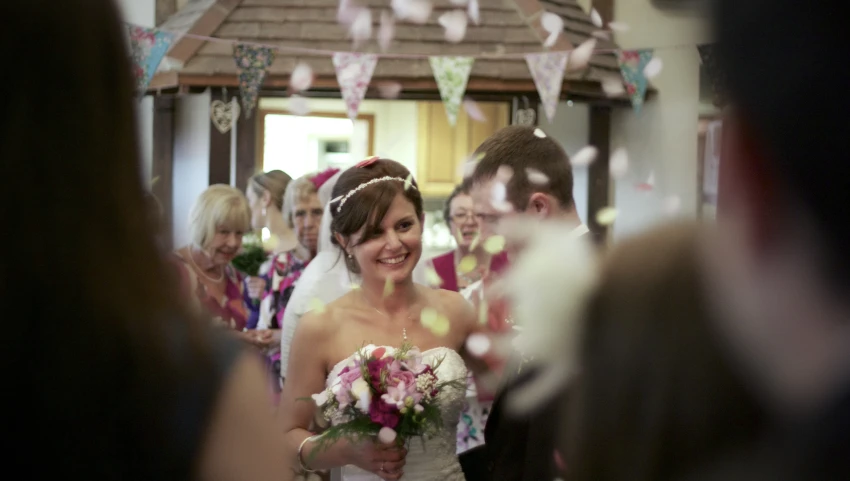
(377, 222)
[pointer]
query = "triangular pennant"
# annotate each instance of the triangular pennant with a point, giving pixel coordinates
(252, 63)
(632, 63)
(148, 47)
(547, 70)
(353, 73)
(451, 74)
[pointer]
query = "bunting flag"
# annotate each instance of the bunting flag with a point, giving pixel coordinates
(252, 63)
(547, 70)
(632, 63)
(148, 47)
(451, 74)
(353, 73)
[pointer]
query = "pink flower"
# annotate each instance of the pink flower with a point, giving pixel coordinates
(397, 395)
(382, 413)
(367, 162)
(401, 377)
(375, 367)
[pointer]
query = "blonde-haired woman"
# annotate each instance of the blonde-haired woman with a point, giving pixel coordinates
(217, 221)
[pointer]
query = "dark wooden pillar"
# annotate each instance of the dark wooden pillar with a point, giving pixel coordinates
(162, 167)
(219, 149)
(246, 149)
(598, 176)
(605, 9)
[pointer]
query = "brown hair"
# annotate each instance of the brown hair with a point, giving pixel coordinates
(520, 149)
(274, 182)
(656, 394)
(368, 206)
(115, 341)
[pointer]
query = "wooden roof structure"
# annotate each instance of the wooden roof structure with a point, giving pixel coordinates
(505, 27)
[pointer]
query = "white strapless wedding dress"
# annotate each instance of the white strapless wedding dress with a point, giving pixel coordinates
(436, 459)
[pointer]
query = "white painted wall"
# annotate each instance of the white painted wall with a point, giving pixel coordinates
(571, 127)
(191, 158)
(662, 137)
(142, 12)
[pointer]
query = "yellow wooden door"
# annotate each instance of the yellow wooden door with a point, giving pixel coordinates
(443, 148)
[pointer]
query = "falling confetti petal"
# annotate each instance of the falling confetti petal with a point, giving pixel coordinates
(494, 244)
(271, 243)
(554, 24)
(466, 168)
(619, 163)
(503, 206)
(473, 12)
(432, 278)
(347, 12)
(387, 435)
(386, 31)
(478, 344)
(653, 68)
(408, 182)
(580, 56)
(389, 287)
(482, 312)
(434, 321)
(672, 204)
(467, 264)
(602, 35)
(585, 156)
(475, 240)
(299, 105)
(301, 78)
(354, 286)
(612, 85)
(361, 27)
(536, 177)
(316, 305)
(416, 11)
(596, 18)
(539, 133)
(389, 90)
(618, 26)
(606, 216)
(504, 174)
(154, 181)
(473, 111)
(455, 24)
(498, 192)
(441, 326)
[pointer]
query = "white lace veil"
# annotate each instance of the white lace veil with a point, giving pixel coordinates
(324, 280)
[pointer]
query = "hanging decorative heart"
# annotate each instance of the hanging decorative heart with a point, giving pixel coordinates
(525, 117)
(224, 114)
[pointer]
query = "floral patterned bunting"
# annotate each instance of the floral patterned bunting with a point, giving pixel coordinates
(148, 47)
(353, 73)
(632, 63)
(252, 63)
(547, 70)
(451, 74)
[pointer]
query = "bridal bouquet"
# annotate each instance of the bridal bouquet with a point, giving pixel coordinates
(384, 392)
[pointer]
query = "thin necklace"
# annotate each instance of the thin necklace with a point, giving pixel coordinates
(203, 273)
(403, 329)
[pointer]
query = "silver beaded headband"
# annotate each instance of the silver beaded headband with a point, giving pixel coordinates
(343, 198)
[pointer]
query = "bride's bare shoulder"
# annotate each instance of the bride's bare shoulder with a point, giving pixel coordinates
(453, 304)
(325, 319)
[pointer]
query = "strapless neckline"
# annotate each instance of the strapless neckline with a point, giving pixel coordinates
(334, 372)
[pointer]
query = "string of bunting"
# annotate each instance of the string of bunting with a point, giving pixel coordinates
(149, 47)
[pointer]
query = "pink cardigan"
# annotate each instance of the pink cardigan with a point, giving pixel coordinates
(445, 266)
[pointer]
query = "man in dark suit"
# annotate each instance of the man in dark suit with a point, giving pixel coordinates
(778, 261)
(519, 447)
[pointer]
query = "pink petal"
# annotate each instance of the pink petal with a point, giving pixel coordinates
(585, 156)
(618, 27)
(613, 86)
(386, 30)
(347, 12)
(653, 68)
(580, 56)
(504, 174)
(554, 24)
(387, 435)
(619, 163)
(455, 24)
(473, 12)
(361, 27)
(389, 90)
(298, 105)
(301, 77)
(596, 18)
(478, 344)
(416, 11)
(473, 110)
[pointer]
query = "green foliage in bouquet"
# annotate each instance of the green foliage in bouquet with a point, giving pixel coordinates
(251, 258)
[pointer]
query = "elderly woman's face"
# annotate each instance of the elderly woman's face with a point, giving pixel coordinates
(224, 245)
(306, 219)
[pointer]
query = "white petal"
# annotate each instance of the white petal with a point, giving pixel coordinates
(473, 111)
(389, 90)
(387, 435)
(596, 18)
(473, 12)
(539, 133)
(298, 105)
(672, 204)
(602, 34)
(302, 77)
(386, 30)
(585, 156)
(498, 192)
(504, 174)
(650, 181)
(606, 216)
(536, 177)
(653, 68)
(613, 86)
(361, 27)
(580, 56)
(478, 344)
(455, 24)
(347, 12)
(618, 26)
(416, 11)
(551, 40)
(552, 22)
(619, 163)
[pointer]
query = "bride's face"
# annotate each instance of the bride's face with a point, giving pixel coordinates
(394, 252)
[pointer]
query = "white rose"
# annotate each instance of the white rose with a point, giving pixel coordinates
(361, 391)
(321, 399)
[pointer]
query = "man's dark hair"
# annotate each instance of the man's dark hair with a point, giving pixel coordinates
(520, 149)
(786, 78)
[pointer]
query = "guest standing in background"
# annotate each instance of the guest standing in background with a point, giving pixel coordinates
(113, 378)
